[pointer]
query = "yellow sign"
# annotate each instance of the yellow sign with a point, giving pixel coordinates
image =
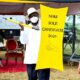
(23, 1)
(52, 24)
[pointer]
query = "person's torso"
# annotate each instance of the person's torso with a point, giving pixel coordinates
(32, 47)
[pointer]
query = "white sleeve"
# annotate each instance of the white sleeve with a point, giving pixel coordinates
(24, 37)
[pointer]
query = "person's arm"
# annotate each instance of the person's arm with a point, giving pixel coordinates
(24, 37)
(22, 27)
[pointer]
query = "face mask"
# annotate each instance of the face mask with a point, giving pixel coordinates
(34, 19)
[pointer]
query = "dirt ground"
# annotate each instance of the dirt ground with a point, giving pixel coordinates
(69, 73)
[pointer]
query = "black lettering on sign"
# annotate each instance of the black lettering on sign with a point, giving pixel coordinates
(53, 23)
(52, 36)
(53, 16)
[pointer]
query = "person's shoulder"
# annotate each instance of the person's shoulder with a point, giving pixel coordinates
(26, 29)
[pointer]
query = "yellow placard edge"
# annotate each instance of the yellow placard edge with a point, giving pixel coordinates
(36, 2)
